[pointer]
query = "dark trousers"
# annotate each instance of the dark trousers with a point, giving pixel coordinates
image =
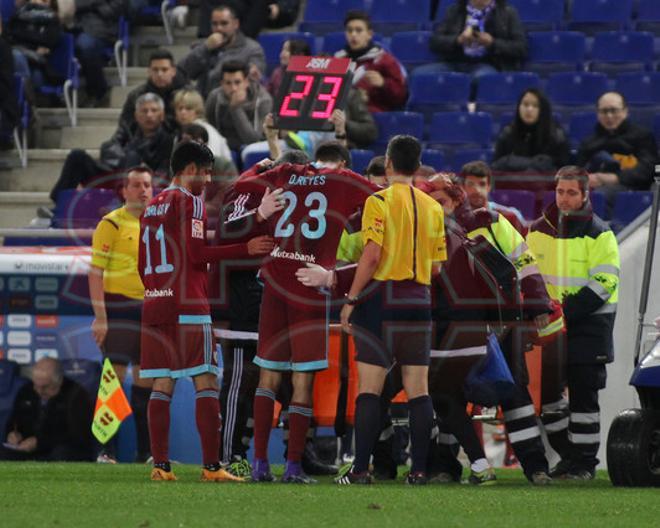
(90, 53)
(79, 168)
(240, 377)
(573, 424)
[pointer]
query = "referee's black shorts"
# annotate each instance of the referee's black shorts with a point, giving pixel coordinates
(122, 342)
(393, 322)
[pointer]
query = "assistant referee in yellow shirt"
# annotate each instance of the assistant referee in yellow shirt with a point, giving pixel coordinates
(389, 305)
(117, 293)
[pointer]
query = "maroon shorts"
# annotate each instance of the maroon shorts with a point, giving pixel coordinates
(177, 351)
(291, 336)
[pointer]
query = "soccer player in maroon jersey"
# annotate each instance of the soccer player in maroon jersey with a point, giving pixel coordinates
(293, 322)
(177, 340)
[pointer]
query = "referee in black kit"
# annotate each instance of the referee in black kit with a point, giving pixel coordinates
(389, 306)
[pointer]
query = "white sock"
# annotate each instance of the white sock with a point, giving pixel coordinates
(479, 465)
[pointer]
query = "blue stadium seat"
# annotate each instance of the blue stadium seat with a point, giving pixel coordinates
(83, 209)
(460, 128)
(411, 48)
(576, 88)
(62, 60)
(622, 51)
(272, 44)
(591, 16)
(648, 16)
(540, 15)
(498, 91)
(7, 9)
(249, 159)
(465, 155)
(434, 158)
(628, 205)
(392, 123)
(119, 50)
(555, 51)
(10, 383)
(639, 88)
(84, 372)
(360, 158)
(331, 10)
(438, 91)
(391, 16)
(598, 202)
(158, 9)
(524, 201)
(582, 125)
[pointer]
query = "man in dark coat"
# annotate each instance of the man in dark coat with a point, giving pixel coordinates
(51, 419)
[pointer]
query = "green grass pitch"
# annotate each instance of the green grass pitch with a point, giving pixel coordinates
(73, 495)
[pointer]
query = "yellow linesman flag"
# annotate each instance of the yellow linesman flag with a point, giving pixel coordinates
(112, 407)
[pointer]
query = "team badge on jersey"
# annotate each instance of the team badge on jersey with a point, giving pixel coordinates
(197, 228)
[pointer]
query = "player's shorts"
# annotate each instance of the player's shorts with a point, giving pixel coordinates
(393, 321)
(291, 336)
(178, 350)
(122, 342)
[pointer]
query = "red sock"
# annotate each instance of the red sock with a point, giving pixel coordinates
(207, 414)
(264, 403)
(158, 412)
(300, 415)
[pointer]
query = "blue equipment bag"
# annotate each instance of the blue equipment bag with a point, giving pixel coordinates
(490, 380)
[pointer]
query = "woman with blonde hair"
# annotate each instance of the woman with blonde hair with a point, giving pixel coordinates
(189, 109)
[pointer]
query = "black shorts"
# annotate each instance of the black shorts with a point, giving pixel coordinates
(122, 342)
(393, 322)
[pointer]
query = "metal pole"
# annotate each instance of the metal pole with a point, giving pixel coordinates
(648, 264)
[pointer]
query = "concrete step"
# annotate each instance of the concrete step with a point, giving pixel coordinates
(134, 75)
(85, 136)
(118, 95)
(53, 127)
(154, 32)
(18, 208)
(43, 170)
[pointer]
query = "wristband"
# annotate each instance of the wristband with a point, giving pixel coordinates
(352, 301)
(340, 136)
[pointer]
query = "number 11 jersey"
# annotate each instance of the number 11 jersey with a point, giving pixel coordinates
(173, 258)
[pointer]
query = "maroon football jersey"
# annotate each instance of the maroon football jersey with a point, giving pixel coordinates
(318, 202)
(173, 258)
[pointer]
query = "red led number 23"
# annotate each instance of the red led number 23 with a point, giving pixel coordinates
(329, 98)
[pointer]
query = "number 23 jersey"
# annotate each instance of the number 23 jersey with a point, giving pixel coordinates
(318, 202)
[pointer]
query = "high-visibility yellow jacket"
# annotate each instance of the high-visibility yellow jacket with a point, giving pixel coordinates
(578, 256)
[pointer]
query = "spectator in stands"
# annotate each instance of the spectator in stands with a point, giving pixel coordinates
(290, 48)
(116, 294)
(620, 155)
(478, 37)
(477, 180)
(253, 14)
(96, 29)
(163, 79)
(223, 174)
(9, 113)
(226, 43)
(533, 142)
(238, 107)
(376, 73)
(151, 145)
(51, 419)
(34, 31)
(189, 109)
